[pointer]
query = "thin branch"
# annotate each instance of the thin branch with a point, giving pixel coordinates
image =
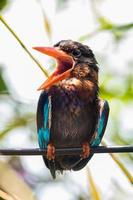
(94, 190)
(23, 46)
(66, 151)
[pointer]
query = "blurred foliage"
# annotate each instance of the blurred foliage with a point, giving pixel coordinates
(13, 185)
(47, 26)
(95, 194)
(104, 24)
(23, 45)
(3, 84)
(120, 165)
(5, 196)
(3, 3)
(124, 94)
(17, 122)
(117, 31)
(61, 4)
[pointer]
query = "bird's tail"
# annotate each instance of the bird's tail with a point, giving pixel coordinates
(51, 165)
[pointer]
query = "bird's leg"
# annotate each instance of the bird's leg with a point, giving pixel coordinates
(50, 152)
(86, 150)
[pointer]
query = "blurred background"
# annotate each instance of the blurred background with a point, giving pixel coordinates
(107, 27)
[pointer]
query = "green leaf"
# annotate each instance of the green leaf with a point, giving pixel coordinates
(3, 3)
(3, 85)
(119, 30)
(124, 27)
(47, 26)
(105, 23)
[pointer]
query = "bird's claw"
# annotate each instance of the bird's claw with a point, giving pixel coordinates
(86, 150)
(50, 152)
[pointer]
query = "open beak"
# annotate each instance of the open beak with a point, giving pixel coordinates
(64, 65)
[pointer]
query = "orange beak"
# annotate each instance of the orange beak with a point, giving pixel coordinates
(63, 69)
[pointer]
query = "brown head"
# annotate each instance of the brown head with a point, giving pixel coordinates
(74, 60)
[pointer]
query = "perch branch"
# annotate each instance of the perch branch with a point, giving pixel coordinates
(66, 151)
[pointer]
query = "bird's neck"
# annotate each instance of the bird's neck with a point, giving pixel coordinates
(86, 90)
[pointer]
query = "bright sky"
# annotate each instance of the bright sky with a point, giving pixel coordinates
(26, 19)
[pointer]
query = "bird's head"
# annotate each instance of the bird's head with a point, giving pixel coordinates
(73, 60)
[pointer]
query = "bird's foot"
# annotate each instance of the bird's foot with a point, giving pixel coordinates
(86, 150)
(50, 152)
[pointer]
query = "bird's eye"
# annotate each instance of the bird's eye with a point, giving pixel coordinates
(76, 53)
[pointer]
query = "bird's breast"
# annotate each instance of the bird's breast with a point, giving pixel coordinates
(72, 119)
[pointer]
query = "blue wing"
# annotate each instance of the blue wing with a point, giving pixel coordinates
(104, 112)
(102, 122)
(43, 129)
(43, 120)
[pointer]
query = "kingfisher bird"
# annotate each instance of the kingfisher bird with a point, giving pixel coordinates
(70, 113)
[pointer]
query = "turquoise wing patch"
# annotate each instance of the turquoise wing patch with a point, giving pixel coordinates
(43, 137)
(104, 113)
(44, 132)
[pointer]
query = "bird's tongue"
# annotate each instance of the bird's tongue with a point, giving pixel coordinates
(63, 69)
